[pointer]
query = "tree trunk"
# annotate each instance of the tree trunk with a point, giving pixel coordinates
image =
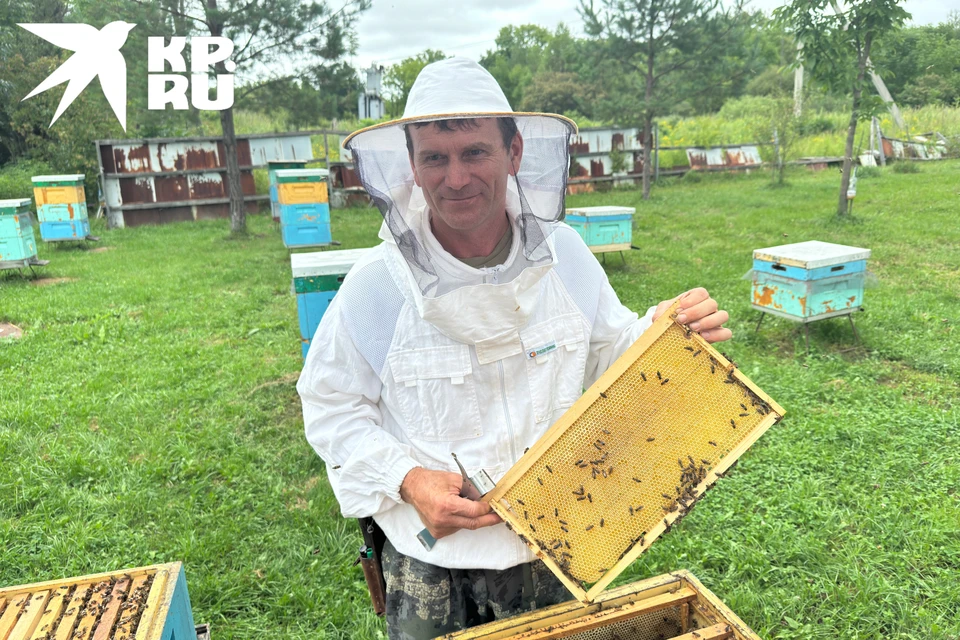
(238, 217)
(852, 128)
(647, 131)
(648, 114)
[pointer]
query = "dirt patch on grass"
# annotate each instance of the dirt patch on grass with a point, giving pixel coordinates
(102, 249)
(46, 282)
(287, 379)
(11, 331)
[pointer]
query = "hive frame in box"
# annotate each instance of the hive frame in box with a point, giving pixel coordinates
(81, 608)
(506, 498)
(701, 614)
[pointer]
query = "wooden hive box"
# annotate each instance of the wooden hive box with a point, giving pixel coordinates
(808, 281)
(303, 208)
(316, 279)
(604, 229)
(674, 605)
(272, 167)
(59, 189)
(148, 603)
(17, 241)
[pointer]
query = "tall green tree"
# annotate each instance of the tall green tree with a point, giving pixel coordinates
(660, 45)
(398, 79)
(275, 42)
(520, 53)
(836, 50)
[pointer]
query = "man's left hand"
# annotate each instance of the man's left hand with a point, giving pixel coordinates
(701, 313)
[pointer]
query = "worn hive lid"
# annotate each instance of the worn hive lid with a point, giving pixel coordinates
(324, 263)
(591, 212)
(632, 456)
(811, 254)
(301, 175)
(67, 180)
(15, 206)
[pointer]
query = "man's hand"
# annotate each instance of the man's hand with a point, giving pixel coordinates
(436, 497)
(699, 312)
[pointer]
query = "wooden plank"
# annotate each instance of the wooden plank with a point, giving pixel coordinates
(91, 612)
(132, 608)
(72, 614)
(54, 608)
(606, 617)
(151, 614)
(110, 614)
(94, 577)
(11, 613)
(710, 600)
(32, 611)
(713, 632)
(610, 248)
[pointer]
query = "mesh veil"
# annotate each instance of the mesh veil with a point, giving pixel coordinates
(535, 198)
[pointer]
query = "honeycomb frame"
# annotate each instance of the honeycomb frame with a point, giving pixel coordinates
(585, 502)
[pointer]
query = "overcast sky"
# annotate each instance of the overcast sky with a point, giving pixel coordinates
(395, 29)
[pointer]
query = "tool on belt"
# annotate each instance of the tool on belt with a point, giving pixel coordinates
(369, 561)
(481, 483)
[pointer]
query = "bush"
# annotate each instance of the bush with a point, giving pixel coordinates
(692, 177)
(868, 172)
(15, 178)
(905, 166)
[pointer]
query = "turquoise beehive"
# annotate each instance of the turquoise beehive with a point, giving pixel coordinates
(17, 242)
(605, 228)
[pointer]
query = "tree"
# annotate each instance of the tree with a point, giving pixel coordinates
(399, 78)
(275, 42)
(519, 55)
(836, 50)
(656, 40)
(555, 92)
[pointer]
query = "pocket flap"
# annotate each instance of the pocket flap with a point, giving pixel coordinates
(552, 334)
(431, 362)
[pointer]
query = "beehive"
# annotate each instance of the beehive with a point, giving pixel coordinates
(316, 279)
(17, 242)
(604, 228)
(272, 167)
(61, 207)
(304, 210)
(674, 605)
(808, 281)
(632, 456)
(148, 603)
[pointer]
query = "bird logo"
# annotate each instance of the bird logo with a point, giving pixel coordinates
(97, 54)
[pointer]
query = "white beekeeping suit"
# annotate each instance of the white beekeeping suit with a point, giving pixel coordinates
(420, 355)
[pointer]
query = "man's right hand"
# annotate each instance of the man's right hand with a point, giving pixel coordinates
(436, 497)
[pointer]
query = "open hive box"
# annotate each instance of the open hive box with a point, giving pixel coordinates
(149, 603)
(674, 606)
(632, 456)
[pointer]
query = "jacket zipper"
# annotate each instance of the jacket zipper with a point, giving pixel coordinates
(506, 413)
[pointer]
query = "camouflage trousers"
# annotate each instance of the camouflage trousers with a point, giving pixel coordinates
(425, 601)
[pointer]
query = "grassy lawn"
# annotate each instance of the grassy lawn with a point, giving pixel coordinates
(149, 415)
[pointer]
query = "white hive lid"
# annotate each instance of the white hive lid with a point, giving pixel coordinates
(601, 211)
(324, 263)
(811, 254)
(16, 202)
(61, 178)
(293, 173)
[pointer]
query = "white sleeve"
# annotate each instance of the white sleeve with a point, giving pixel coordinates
(342, 419)
(614, 329)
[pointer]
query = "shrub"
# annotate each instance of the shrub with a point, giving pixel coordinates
(15, 178)
(905, 166)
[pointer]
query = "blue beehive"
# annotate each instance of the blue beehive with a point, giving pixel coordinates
(316, 279)
(17, 241)
(605, 228)
(272, 167)
(808, 281)
(304, 208)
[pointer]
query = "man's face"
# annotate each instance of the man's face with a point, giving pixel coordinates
(464, 172)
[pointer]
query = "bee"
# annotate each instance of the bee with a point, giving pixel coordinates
(602, 443)
(567, 544)
(713, 369)
(697, 353)
(688, 348)
(605, 431)
(540, 481)
(601, 522)
(548, 468)
(651, 439)
(610, 471)
(581, 498)
(532, 528)
(666, 523)
(743, 406)
(578, 462)
(711, 442)
(602, 570)
(521, 502)
(556, 512)
(666, 497)
(728, 381)
(659, 377)
(525, 516)
(665, 381)
(704, 461)
(540, 517)
(590, 498)
(558, 545)
(589, 526)
(690, 458)
(565, 530)
(562, 521)
(603, 395)
(744, 415)
(604, 473)
(732, 423)
(644, 376)
(566, 554)
(527, 449)
(631, 509)
(636, 480)
(599, 448)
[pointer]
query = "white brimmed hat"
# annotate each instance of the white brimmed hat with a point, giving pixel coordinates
(457, 88)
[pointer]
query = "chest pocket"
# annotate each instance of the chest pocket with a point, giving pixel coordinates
(556, 356)
(437, 393)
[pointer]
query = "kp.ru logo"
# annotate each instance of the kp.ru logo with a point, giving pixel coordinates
(97, 54)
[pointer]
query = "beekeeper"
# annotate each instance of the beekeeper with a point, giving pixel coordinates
(470, 329)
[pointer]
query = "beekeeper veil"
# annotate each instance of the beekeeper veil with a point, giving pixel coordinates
(457, 88)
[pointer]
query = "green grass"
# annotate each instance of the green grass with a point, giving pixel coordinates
(149, 414)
